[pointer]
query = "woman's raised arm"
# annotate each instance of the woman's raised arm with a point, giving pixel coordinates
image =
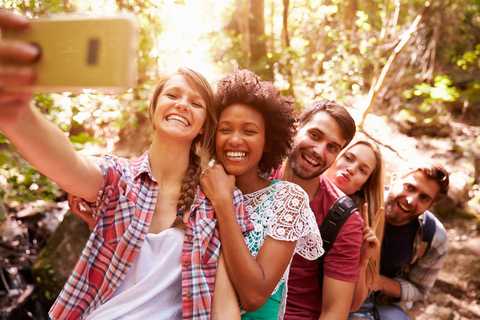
(38, 140)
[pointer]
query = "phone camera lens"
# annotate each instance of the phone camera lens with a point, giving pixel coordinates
(93, 51)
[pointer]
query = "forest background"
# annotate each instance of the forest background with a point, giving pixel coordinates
(409, 70)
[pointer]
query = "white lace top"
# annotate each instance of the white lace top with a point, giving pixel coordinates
(282, 211)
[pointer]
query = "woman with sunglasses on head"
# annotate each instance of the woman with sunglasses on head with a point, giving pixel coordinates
(254, 134)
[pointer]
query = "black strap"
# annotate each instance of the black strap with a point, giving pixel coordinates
(428, 229)
(336, 217)
(331, 225)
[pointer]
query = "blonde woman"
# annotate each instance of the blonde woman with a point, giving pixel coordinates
(359, 172)
(146, 256)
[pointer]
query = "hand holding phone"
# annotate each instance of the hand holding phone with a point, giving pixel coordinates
(15, 71)
(15, 56)
(79, 52)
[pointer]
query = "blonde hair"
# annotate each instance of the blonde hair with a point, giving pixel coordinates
(202, 146)
(372, 192)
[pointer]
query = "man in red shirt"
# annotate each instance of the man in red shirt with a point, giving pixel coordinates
(324, 130)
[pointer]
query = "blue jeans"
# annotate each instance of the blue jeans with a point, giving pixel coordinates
(392, 312)
(370, 311)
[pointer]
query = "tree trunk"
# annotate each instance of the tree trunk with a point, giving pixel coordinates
(239, 26)
(271, 38)
(285, 35)
(258, 47)
(57, 259)
(3, 211)
(286, 47)
(476, 163)
(349, 15)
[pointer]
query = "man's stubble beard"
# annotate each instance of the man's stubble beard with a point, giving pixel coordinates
(297, 172)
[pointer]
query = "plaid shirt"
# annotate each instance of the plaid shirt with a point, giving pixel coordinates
(420, 276)
(124, 208)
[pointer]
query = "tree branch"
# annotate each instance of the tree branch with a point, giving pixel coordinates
(378, 142)
(380, 79)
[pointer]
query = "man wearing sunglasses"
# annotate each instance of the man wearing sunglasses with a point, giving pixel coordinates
(414, 245)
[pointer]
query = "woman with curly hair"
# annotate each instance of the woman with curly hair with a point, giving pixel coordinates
(254, 134)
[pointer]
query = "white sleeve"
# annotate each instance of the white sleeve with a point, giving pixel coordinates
(293, 220)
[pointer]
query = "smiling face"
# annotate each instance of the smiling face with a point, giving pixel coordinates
(410, 197)
(240, 140)
(315, 146)
(352, 169)
(180, 111)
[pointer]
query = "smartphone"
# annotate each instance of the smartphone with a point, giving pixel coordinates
(80, 52)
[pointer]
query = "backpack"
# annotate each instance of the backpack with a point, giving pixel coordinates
(428, 227)
(331, 225)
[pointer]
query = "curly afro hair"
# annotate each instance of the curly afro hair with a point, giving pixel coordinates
(245, 87)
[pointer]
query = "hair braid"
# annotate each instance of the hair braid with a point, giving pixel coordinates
(189, 184)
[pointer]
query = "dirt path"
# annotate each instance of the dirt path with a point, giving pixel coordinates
(456, 294)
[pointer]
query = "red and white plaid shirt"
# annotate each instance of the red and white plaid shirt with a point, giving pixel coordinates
(124, 210)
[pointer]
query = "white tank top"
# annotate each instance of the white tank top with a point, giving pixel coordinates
(152, 288)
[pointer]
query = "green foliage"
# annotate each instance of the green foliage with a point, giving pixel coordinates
(470, 59)
(325, 57)
(337, 48)
(19, 182)
(427, 105)
(229, 49)
(454, 88)
(39, 7)
(442, 90)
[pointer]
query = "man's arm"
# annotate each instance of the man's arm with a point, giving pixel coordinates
(337, 299)
(362, 287)
(388, 286)
(423, 274)
(341, 267)
(425, 271)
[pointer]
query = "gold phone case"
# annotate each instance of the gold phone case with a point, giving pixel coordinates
(83, 52)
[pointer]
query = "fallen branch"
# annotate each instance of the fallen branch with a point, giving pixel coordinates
(463, 308)
(378, 81)
(451, 288)
(381, 143)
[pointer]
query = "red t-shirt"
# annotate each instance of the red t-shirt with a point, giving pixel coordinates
(342, 262)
